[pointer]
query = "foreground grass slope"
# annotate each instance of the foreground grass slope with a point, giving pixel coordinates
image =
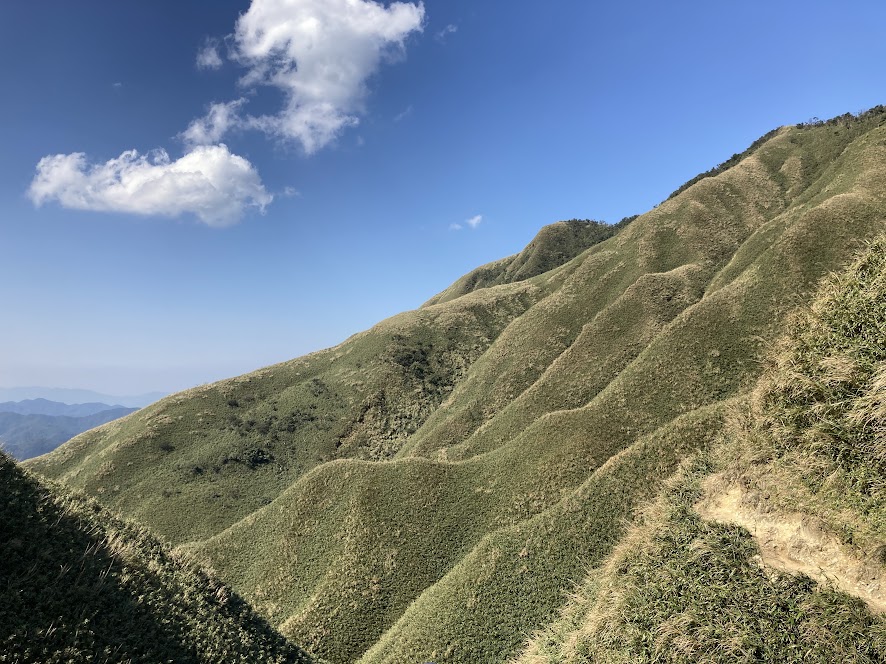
(806, 442)
(466, 462)
(82, 586)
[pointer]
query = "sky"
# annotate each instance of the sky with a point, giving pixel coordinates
(192, 190)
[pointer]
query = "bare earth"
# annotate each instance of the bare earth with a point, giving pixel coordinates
(796, 543)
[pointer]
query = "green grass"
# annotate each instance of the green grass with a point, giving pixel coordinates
(430, 489)
(681, 589)
(80, 585)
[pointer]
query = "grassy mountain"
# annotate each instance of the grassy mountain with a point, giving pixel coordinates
(28, 435)
(807, 444)
(432, 488)
(80, 585)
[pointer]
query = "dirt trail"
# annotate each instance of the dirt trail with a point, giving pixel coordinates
(794, 542)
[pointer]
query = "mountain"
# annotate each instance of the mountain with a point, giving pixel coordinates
(769, 545)
(82, 585)
(73, 396)
(46, 407)
(30, 435)
(464, 476)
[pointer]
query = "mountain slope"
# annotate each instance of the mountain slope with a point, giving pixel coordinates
(80, 585)
(781, 524)
(429, 489)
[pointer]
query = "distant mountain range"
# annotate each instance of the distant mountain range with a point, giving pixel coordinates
(36, 426)
(46, 407)
(75, 396)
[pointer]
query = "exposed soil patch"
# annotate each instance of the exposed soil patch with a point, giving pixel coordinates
(797, 543)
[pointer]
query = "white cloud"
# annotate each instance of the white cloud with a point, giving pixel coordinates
(320, 54)
(445, 32)
(474, 221)
(208, 182)
(208, 57)
(209, 129)
(405, 113)
(455, 227)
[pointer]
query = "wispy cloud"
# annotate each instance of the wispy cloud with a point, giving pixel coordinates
(209, 182)
(405, 113)
(208, 56)
(471, 223)
(441, 35)
(319, 54)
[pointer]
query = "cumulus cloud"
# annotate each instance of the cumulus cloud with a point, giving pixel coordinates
(208, 182)
(208, 57)
(455, 227)
(221, 118)
(319, 54)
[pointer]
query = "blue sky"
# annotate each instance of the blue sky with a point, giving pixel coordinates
(349, 141)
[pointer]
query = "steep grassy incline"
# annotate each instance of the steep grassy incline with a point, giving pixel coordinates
(470, 460)
(493, 540)
(82, 586)
(805, 457)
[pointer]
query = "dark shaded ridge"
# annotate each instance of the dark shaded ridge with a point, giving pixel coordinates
(79, 585)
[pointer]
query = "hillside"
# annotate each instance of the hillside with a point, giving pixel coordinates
(431, 489)
(80, 585)
(783, 521)
(28, 435)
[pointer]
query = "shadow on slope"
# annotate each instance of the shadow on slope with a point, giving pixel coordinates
(80, 585)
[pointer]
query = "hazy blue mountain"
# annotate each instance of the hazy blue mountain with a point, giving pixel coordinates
(46, 407)
(30, 435)
(74, 396)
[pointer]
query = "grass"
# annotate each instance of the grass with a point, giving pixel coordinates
(430, 489)
(80, 585)
(808, 439)
(680, 589)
